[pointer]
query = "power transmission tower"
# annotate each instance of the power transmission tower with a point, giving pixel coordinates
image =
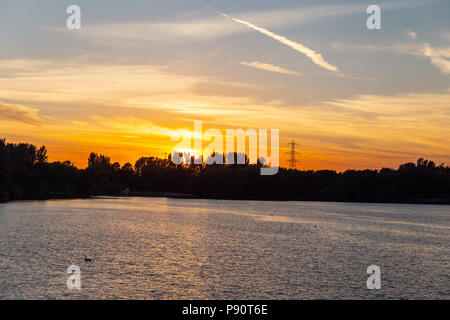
(292, 161)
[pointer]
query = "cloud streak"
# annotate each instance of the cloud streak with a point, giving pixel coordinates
(311, 54)
(268, 67)
(17, 112)
(183, 29)
(437, 58)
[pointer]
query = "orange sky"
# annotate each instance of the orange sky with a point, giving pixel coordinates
(135, 115)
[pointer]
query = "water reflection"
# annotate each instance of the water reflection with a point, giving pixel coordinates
(158, 248)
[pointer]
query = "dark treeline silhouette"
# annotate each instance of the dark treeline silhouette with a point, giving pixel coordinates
(25, 173)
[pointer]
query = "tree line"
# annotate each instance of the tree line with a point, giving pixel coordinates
(25, 173)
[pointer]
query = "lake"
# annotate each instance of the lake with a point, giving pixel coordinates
(159, 248)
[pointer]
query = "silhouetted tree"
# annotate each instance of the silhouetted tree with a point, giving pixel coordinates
(26, 174)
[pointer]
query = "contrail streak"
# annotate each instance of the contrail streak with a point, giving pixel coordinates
(311, 54)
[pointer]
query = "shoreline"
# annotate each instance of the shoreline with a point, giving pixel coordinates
(177, 195)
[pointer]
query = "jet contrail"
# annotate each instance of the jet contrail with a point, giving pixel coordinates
(314, 56)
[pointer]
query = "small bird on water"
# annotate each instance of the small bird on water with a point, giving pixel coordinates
(86, 259)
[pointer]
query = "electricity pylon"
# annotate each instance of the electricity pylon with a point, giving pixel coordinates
(292, 161)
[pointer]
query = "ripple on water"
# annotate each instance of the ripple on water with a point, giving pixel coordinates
(157, 248)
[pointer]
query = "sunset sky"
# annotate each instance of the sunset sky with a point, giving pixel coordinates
(137, 70)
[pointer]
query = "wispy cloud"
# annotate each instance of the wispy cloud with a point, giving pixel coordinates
(442, 52)
(132, 125)
(268, 67)
(17, 112)
(75, 83)
(311, 54)
(412, 35)
(130, 34)
(437, 58)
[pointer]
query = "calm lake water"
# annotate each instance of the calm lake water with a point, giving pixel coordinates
(158, 248)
